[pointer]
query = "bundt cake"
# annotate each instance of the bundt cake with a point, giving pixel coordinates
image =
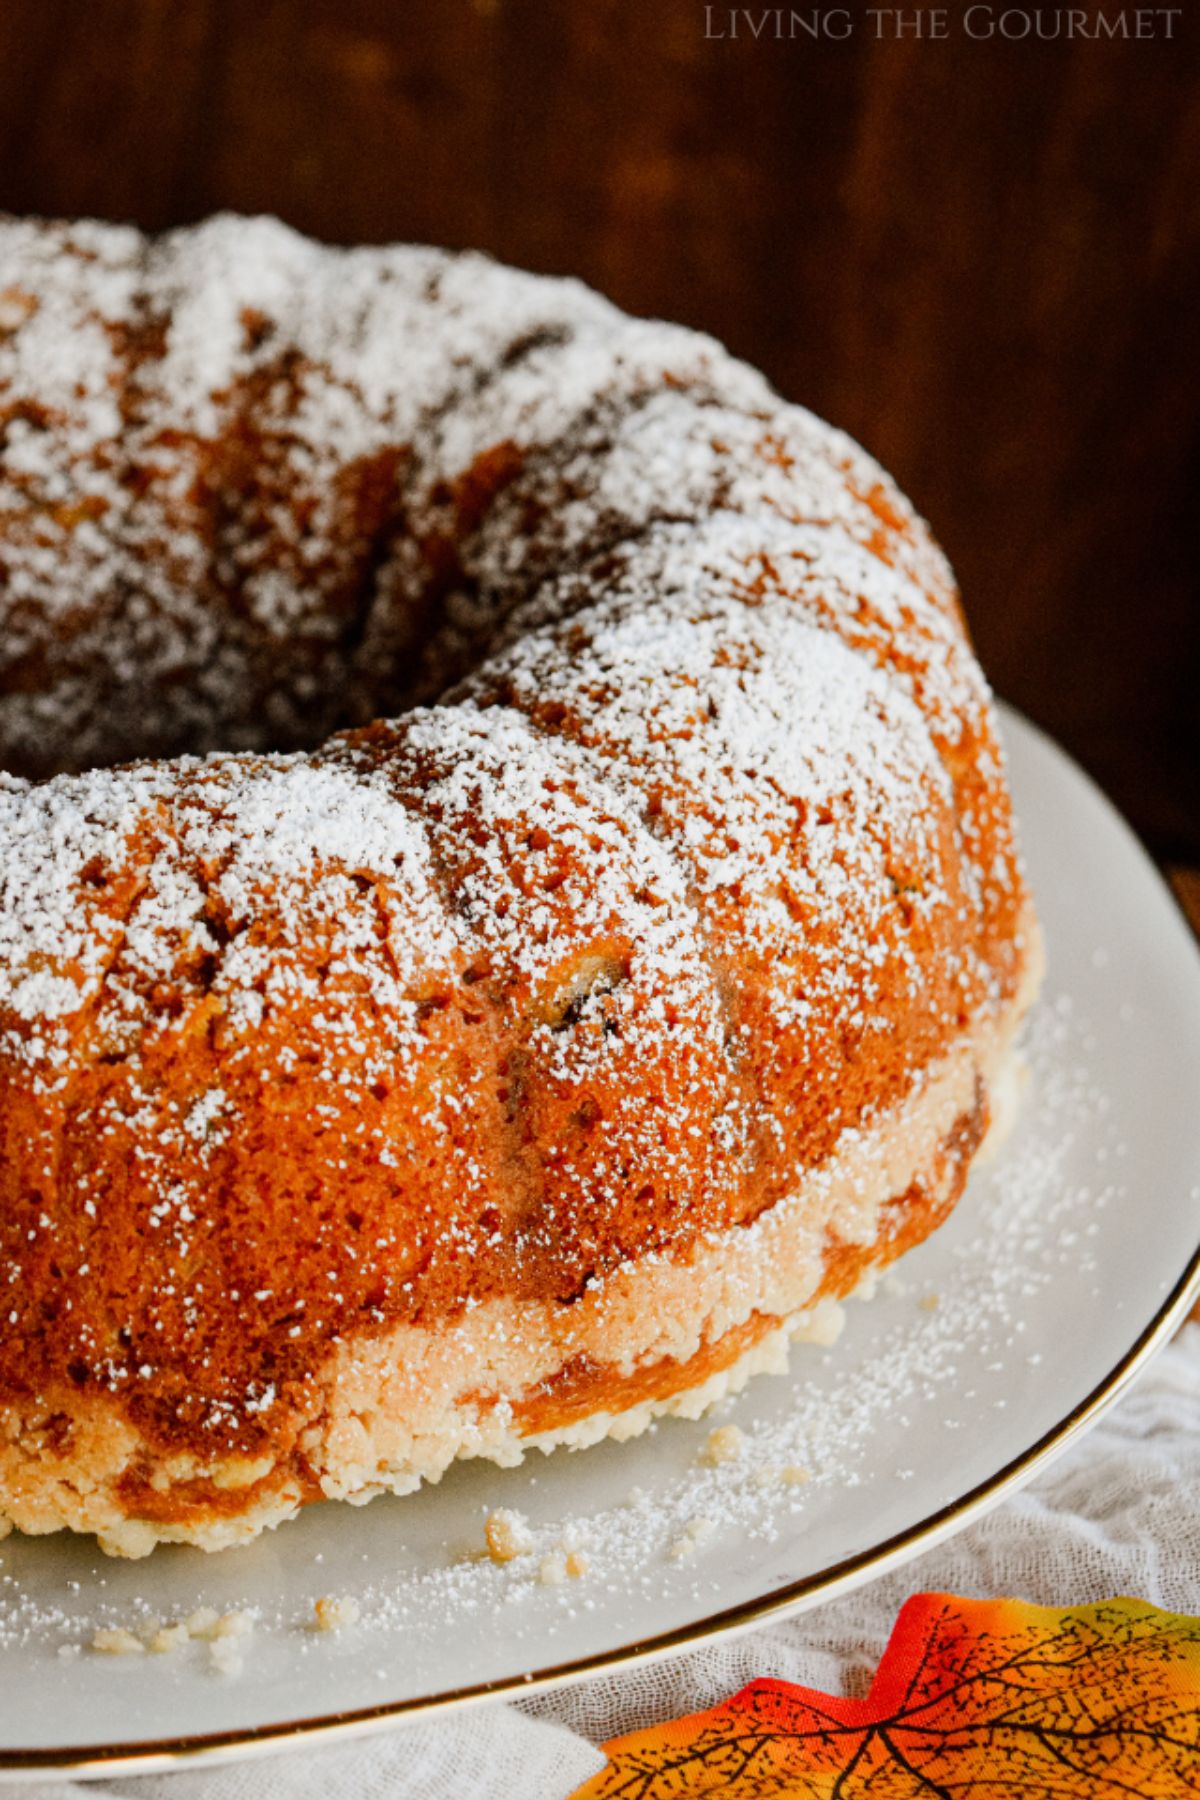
(508, 897)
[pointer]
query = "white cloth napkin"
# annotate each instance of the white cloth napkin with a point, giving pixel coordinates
(1118, 1515)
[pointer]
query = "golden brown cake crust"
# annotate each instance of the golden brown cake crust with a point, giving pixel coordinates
(391, 1411)
(701, 873)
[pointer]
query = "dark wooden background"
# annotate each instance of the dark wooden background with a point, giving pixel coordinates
(983, 259)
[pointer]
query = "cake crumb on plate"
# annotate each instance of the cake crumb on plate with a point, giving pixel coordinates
(115, 1640)
(336, 1613)
(723, 1444)
(508, 1535)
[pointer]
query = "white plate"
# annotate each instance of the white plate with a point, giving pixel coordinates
(1065, 1265)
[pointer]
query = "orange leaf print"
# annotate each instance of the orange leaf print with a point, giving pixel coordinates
(973, 1700)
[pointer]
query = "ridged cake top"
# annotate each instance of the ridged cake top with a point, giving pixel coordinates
(697, 854)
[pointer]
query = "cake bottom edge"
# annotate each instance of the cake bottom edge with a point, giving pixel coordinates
(658, 1337)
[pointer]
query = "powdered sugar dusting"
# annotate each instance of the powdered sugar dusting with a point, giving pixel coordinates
(702, 638)
(236, 462)
(704, 859)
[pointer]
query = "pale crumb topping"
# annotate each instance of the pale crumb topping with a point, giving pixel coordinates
(226, 1635)
(203, 1622)
(117, 1640)
(507, 1535)
(725, 1443)
(771, 1475)
(336, 1613)
(559, 1567)
(226, 1655)
(696, 1532)
(237, 1624)
(207, 1624)
(823, 1325)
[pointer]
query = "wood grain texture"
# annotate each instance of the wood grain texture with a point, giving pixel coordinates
(1186, 886)
(983, 259)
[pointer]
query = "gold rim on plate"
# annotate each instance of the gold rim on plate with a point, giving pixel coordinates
(152, 1755)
